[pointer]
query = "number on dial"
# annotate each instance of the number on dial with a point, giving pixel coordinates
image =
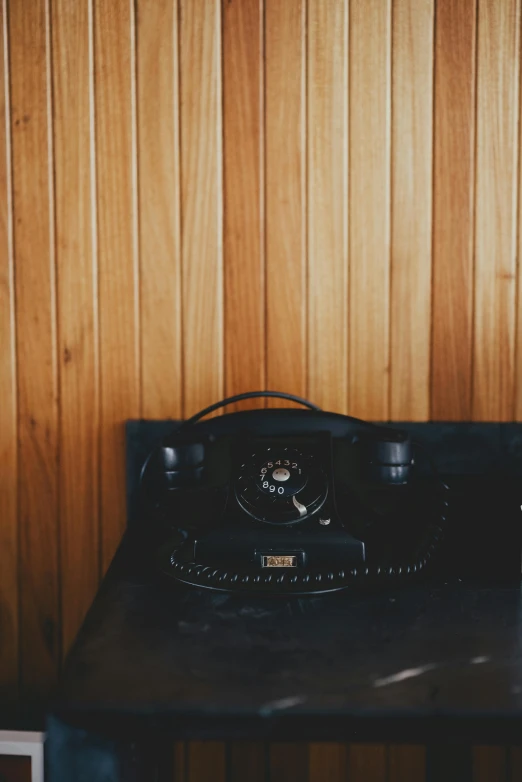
(271, 488)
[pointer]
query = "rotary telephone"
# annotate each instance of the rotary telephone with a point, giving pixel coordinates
(293, 501)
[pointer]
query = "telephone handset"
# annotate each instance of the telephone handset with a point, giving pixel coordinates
(292, 501)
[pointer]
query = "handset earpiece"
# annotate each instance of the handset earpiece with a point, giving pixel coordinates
(173, 483)
(177, 463)
(182, 463)
(390, 458)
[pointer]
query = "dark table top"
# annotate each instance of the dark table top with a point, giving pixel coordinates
(417, 663)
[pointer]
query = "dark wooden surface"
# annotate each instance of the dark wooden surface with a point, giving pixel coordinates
(398, 665)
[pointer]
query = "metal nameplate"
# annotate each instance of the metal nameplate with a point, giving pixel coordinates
(278, 560)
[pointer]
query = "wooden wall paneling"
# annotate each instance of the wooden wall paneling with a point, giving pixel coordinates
(201, 202)
(159, 207)
(35, 344)
(406, 763)
(288, 762)
(206, 760)
(243, 187)
(8, 410)
(489, 764)
(411, 156)
(327, 192)
(327, 762)
(453, 209)
(285, 162)
(179, 761)
(117, 254)
(495, 210)
(367, 763)
(247, 761)
(71, 31)
(369, 207)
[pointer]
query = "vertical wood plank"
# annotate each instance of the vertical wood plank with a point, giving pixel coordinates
(206, 761)
(77, 313)
(159, 207)
(406, 763)
(518, 314)
(8, 409)
(243, 142)
(201, 202)
(247, 761)
(117, 268)
(489, 764)
(495, 209)
(370, 94)
(288, 762)
(285, 142)
(453, 209)
(35, 343)
(179, 761)
(367, 763)
(327, 129)
(412, 97)
(327, 762)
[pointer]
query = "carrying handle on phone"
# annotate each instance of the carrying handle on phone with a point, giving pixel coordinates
(247, 395)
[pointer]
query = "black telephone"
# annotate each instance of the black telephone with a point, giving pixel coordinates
(292, 501)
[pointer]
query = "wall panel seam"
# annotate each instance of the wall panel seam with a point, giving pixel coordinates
(56, 371)
(472, 237)
(12, 319)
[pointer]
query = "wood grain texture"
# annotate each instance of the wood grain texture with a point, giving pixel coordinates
(288, 762)
(489, 764)
(159, 208)
(77, 313)
(247, 760)
(411, 161)
(495, 209)
(518, 314)
(327, 129)
(367, 763)
(243, 160)
(369, 207)
(327, 762)
(285, 200)
(406, 763)
(201, 203)
(35, 345)
(8, 409)
(117, 270)
(206, 761)
(453, 209)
